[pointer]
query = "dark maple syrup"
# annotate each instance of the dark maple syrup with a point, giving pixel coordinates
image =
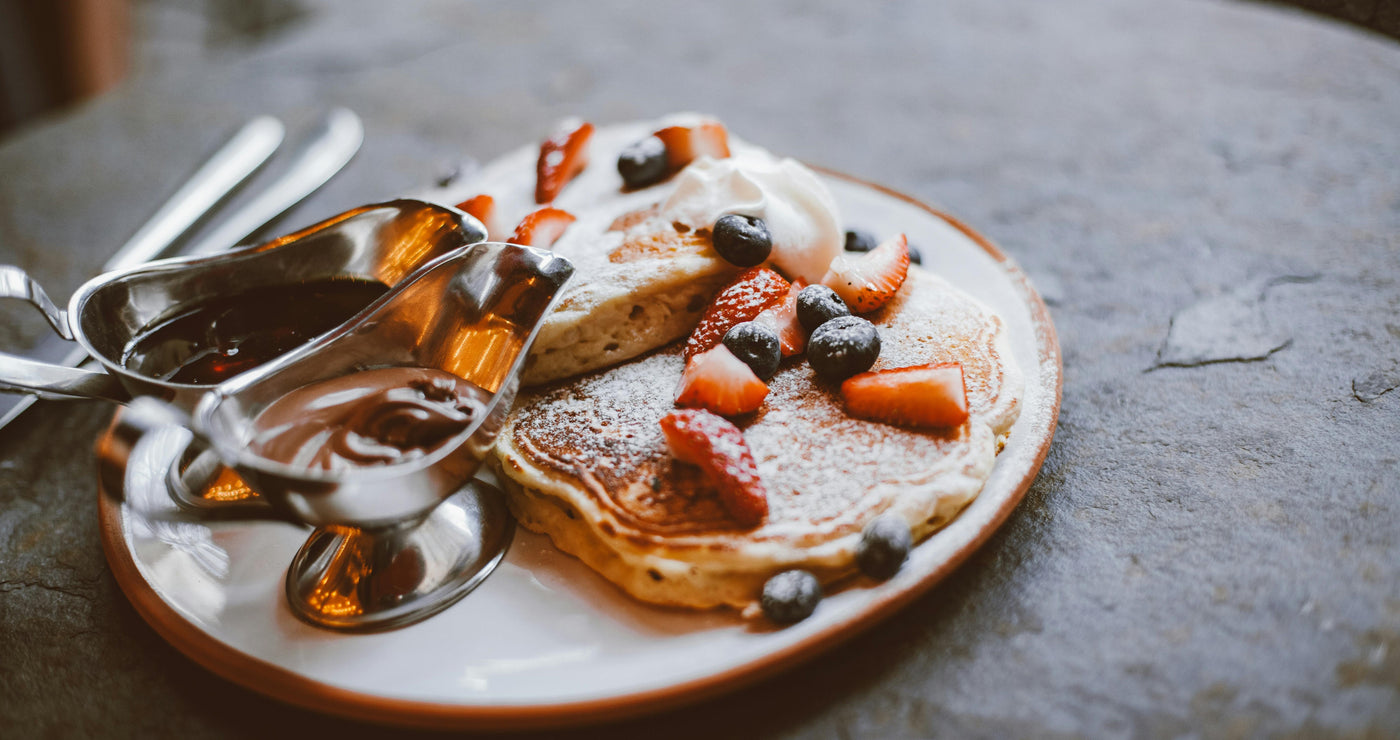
(212, 341)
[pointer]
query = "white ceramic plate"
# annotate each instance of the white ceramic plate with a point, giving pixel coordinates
(544, 641)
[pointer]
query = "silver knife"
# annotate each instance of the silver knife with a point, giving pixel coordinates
(335, 145)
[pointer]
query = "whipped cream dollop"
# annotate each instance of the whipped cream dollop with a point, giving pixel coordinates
(800, 212)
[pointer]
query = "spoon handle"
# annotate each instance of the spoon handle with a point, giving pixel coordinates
(339, 137)
(231, 165)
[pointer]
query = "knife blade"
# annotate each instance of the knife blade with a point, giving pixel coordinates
(335, 144)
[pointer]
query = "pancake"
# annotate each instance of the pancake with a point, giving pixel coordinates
(642, 276)
(585, 462)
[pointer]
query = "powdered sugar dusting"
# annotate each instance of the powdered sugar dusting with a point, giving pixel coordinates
(826, 473)
(965, 331)
(736, 303)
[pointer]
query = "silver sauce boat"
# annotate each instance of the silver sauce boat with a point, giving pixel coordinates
(384, 242)
(394, 543)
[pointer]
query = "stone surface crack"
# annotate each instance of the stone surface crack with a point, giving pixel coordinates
(9, 586)
(1376, 383)
(1243, 162)
(1231, 327)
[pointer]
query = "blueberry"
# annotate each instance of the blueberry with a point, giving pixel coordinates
(842, 347)
(757, 346)
(884, 545)
(643, 163)
(791, 596)
(743, 240)
(818, 304)
(915, 256)
(860, 241)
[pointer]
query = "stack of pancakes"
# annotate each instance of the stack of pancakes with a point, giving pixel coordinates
(583, 458)
(585, 462)
(640, 282)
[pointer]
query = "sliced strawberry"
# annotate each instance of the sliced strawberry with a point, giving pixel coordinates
(687, 143)
(920, 396)
(868, 281)
(562, 157)
(741, 300)
(700, 438)
(483, 208)
(782, 318)
(541, 227)
(719, 381)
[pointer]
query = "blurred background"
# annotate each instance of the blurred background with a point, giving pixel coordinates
(1209, 551)
(58, 53)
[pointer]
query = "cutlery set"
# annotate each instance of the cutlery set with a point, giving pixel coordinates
(42, 370)
(196, 347)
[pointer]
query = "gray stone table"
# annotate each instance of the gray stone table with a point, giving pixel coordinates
(1207, 194)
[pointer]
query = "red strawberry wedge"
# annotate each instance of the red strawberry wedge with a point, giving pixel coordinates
(718, 448)
(687, 143)
(781, 317)
(741, 300)
(719, 381)
(562, 157)
(920, 396)
(868, 281)
(541, 227)
(483, 209)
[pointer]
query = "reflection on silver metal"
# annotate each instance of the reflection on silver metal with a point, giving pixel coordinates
(389, 551)
(383, 242)
(155, 515)
(56, 382)
(362, 580)
(413, 571)
(473, 314)
(15, 283)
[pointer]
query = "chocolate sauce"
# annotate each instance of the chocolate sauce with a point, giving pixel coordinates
(367, 418)
(212, 341)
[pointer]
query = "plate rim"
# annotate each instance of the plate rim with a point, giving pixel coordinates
(292, 688)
